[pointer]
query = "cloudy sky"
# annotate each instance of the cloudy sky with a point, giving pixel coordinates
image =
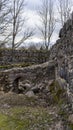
(31, 11)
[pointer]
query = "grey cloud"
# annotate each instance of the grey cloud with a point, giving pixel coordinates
(33, 4)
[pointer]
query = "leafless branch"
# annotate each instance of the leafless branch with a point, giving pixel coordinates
(64, 10)
(47, 20)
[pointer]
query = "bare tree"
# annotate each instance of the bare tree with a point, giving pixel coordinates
(47, 19)
(18, 21)
(17, 31)
(4, 11)
(64, 9)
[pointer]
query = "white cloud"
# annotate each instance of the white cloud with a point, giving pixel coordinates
(33, 18)
(35, 40)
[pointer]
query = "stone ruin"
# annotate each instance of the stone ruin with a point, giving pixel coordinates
(36, 74)
(59, 66)
(23, 56)
(62, 52)
(30, 80)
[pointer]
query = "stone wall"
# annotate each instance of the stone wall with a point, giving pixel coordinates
(64, 45)
(62, 52)
(23, 55)
(35, 74)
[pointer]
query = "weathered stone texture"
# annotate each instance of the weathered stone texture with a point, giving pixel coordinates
(62, 51)
(23, 55)
(34, 74)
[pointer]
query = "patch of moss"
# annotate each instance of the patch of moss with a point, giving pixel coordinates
(71, 126)
(57, 92)
(12, 123)
(26, 118)
(63, 113)
(15, 65)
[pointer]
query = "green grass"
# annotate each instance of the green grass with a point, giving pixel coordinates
(15, 65)
(57, 92)
(26, 118)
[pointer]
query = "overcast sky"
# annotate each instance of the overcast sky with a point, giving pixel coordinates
(31, 11)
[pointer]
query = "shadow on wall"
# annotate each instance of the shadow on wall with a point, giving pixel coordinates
(63, 73)
(15, 87)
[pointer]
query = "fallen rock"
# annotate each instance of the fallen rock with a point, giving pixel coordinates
(70, 118)
(6, 106)
(30, 94)
(24, 87)
(59, 126)
(26, 81)
(27, 85)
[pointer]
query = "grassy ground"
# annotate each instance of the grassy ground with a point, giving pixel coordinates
(26, 118)
(20, 113)
(17, 112)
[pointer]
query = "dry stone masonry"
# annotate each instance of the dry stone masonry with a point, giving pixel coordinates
(35, 74)
(23, 56)
(62, 52)
(61, 55)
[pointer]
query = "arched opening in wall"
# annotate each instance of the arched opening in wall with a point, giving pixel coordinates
(16, 85)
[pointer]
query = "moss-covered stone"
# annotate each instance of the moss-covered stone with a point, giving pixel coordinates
(56, 91)
(71, 126)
